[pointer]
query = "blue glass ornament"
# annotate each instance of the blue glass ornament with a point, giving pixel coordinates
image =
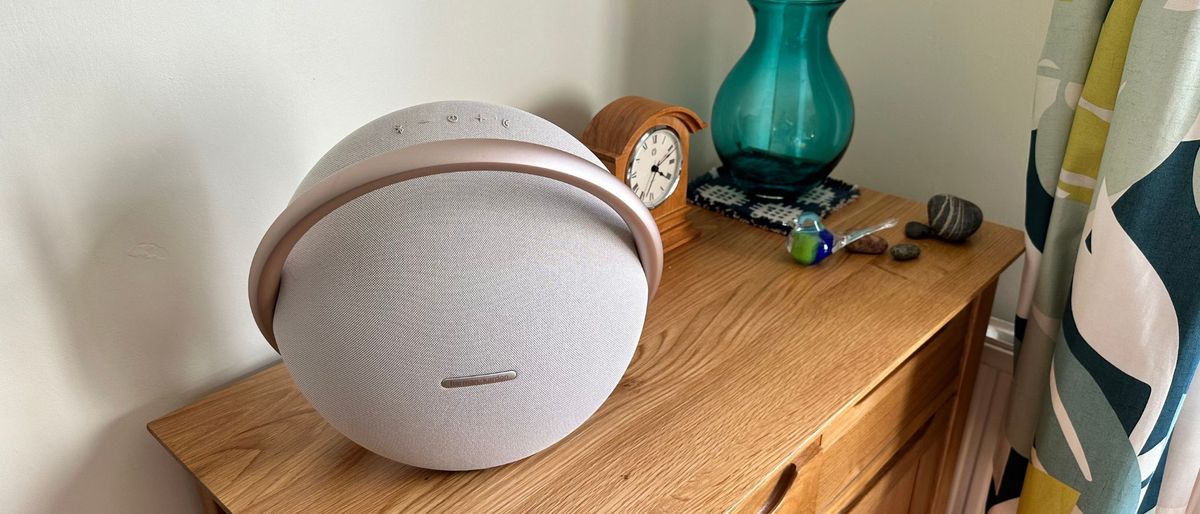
(810, 242)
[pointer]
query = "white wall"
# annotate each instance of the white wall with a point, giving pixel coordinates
(145, 145)
(943, 91)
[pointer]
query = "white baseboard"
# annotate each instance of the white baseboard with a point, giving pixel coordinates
(985, 419)
(1000, 332)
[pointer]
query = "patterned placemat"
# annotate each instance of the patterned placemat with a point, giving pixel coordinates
(716, 191)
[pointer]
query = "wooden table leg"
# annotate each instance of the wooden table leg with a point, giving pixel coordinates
(208, 502)
(981, 314)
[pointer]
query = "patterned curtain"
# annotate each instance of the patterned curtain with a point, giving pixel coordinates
(1108, 326)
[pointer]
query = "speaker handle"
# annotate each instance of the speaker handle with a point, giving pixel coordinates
(423, 160)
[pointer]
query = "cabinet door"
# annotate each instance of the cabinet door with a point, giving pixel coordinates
(907, 484)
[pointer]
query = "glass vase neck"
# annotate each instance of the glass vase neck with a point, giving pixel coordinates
(797, 23)
(796, 2)
(787, 11)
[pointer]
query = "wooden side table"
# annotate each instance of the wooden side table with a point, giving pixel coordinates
(759, 385)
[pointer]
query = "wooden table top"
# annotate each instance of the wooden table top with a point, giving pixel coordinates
(744, 357)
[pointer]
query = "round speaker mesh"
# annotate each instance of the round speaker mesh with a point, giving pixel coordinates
(455, 275)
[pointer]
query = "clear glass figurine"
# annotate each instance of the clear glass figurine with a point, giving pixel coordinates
(810, 242)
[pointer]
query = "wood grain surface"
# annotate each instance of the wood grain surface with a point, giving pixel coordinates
(745, 359)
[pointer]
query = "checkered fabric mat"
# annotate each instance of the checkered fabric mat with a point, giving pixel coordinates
(716, 191)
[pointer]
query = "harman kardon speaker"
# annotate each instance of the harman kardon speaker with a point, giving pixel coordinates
(457, 285)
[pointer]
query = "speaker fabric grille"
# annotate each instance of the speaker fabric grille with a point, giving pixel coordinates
(455, 275)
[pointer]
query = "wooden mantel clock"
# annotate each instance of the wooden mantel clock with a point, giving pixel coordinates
(644, 143)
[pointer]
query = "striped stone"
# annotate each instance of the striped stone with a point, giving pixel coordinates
(953, 218)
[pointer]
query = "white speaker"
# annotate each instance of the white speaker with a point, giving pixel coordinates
(457, 285)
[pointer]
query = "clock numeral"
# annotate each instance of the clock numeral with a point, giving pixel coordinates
(672, 161)
(644, 145)
(656, 139)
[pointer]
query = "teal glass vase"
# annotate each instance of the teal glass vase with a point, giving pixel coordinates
(783, 117)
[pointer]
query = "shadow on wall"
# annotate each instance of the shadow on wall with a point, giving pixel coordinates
(655, 63)
(130, 306)
(567, 108)
(137, 252)
(685, 70)
(671, 69)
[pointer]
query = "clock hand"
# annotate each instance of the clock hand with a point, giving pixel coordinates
(655, 170)
(653, 175)
(664, 159)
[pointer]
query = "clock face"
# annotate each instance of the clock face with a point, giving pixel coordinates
(655, 165)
